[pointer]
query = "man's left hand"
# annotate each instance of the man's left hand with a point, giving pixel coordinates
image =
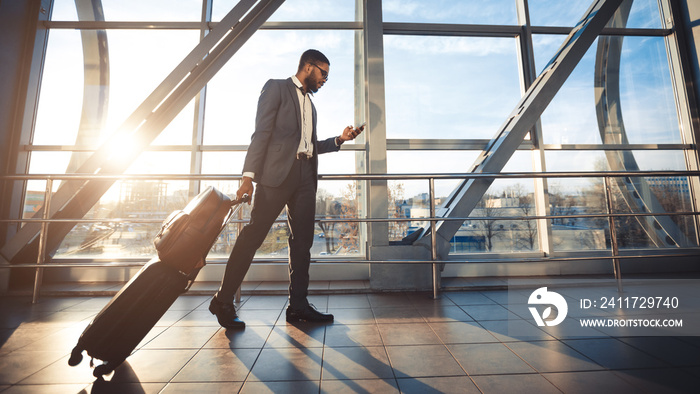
(350, 133)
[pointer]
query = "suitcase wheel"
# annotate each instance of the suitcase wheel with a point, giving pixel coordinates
(102, 369)
(76, 356)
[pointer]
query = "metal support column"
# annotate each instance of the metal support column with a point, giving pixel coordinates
(434, 246)
(39, 273)
(613, 234)
(528, 74)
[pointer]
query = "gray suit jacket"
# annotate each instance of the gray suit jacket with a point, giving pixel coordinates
(274, 143)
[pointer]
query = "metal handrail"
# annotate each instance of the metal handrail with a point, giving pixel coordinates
(378, 220)
(374, 177)
(431, 178)
(523, 260)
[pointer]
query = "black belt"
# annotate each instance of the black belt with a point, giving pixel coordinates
(303, 156)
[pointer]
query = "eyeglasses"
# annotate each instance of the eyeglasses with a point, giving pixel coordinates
(324, 73)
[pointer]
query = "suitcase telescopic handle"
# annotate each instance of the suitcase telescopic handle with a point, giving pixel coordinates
(235, 206)
(244, 198)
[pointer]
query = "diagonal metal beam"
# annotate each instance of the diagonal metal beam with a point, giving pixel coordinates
(74, 199)
(531, 106)
(661, 230)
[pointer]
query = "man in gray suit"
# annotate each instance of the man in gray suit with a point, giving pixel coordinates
(283, 160)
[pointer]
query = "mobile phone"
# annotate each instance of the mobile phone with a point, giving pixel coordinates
(362, 126)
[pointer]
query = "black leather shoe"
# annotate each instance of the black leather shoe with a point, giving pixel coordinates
(307, 314)
(225, 314)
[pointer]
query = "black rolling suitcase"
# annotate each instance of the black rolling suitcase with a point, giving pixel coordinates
(123, 323)
(129, 316)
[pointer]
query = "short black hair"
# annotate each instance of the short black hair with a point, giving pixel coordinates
(314, 57)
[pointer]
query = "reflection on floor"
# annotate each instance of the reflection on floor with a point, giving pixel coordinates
(465, 341)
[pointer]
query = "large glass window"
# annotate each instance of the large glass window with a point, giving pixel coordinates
(135, 10)
(300, 10)
(643, 14)
(449, 87)
(495, 12)
(232, 95)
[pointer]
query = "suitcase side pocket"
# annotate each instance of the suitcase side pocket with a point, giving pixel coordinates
(167, 238)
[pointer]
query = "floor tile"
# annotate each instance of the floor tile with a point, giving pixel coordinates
(253, 387)
(62, 339)
(45, 389)
(64, 319)
(356, 363)
(349, 285)
(171, 317)
(270, 286)
(53, 304)
(462, 332)
(590, 382)
(389, 300)
(374, 386)
(90, 304)
(469, 298)
(189, 303)
(447, 385)
(60, 372)
(498, 296)
(152, 365)
(443, 313)
(202, 388)
(489, 312)
(287, 364)
(423, 361)
(353, 335)
(488, 359)
(671, 350)
(661, 380)
(515, 331)
(320, 302)
(408, 334)
(182, 338)
(353, 316)
(397, 315)
(122, 387)
(251, 337)
(198, 318)
(12, 339)
(218, 365)
(17, 366)
(552, 356)
(300, 335)
(15, 317)
(521, 383)
(265, 302)
(337, 301)
(260, 317)
(424, 299)
(614, 354)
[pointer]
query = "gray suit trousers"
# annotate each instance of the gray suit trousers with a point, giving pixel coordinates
(298, 194)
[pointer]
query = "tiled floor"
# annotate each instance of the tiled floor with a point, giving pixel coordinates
(379, 343)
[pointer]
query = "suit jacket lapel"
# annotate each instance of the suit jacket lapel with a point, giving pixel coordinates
(292, 88)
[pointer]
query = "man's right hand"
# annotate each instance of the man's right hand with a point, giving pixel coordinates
(246, 188)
